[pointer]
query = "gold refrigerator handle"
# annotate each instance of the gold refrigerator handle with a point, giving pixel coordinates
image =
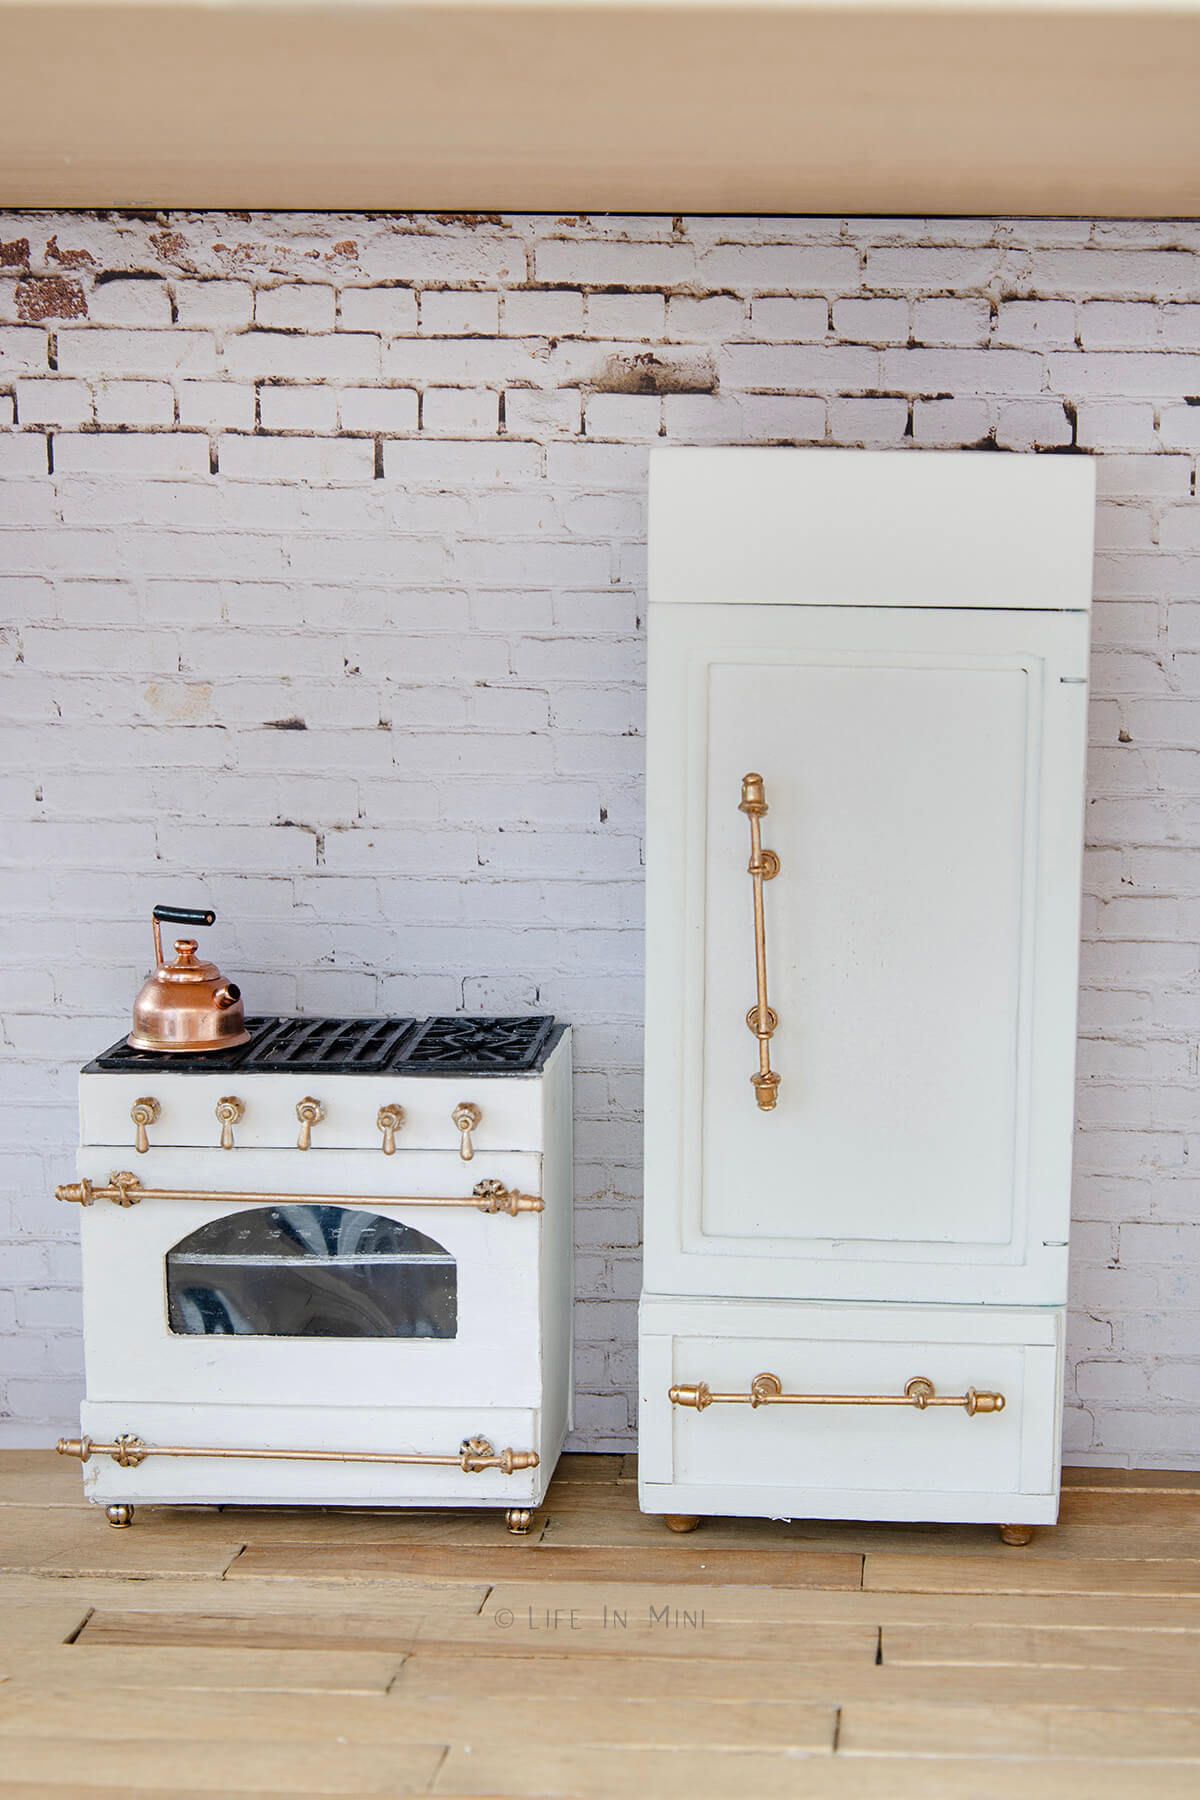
(763, 866)
(474, 1454)
(767, 1390)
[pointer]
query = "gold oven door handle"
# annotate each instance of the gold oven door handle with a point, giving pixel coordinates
(763, 866)
(767, 1390)
(125, 1189)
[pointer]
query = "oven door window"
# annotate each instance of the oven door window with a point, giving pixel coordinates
(311, 1271)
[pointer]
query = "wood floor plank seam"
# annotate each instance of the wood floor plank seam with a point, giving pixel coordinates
(74, 1636)
(357, 1652)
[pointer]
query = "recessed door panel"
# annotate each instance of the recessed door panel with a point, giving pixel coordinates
(898, 812)
(849, 1445)
(923, 774)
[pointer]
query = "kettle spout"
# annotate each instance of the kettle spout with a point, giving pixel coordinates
(228, 994)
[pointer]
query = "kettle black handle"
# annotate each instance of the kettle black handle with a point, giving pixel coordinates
(184, 915)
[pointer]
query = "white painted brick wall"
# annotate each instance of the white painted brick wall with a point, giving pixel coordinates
(321, 567)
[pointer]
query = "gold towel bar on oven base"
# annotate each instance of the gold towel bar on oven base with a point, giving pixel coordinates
(767, 1390)
(125, 1189)
(474, 1455)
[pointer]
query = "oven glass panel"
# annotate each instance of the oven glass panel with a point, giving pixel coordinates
(311, 1271)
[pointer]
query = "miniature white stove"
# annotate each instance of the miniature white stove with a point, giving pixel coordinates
(329, 1267)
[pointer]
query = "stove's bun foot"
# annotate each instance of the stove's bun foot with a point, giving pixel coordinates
(519, 1520)
(119, 1514)
(681, 1521)
(1016, 1534)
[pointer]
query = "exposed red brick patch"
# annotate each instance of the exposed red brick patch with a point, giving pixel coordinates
(347, 247)
(67, 259)
(14, 255)
(241, 256)
(471, 220)
(172, 246)
(50, 297)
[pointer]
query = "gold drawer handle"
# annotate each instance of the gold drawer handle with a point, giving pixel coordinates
(124, 1189)
(763, 866)
(474, 1454)
(143, 1112)
(767, 1390)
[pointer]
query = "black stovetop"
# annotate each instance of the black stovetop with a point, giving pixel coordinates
(449, 1046)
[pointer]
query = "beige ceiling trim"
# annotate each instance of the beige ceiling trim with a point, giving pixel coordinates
(873, 106)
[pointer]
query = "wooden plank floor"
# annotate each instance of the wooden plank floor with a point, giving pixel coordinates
(211, 1654)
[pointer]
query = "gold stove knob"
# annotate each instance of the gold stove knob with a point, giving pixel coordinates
(143, 1112)
(389, 1119)
(229, 1111)
(310, 1112)
(467, 1118)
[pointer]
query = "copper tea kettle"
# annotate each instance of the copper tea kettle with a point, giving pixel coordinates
(186, 1005)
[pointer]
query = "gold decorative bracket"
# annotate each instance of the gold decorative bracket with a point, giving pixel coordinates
(763, 866)
(124, 1189)
(474, 1454)
(493, 1197)
(767, 1390)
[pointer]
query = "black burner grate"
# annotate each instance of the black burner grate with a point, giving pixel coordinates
(465, 1043)
(366, 1044)
(121, 1056)
(479, 1046)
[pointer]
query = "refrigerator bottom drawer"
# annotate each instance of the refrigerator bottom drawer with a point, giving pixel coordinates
(790, 1409)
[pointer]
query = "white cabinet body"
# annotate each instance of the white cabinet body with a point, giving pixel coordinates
(897, 644)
